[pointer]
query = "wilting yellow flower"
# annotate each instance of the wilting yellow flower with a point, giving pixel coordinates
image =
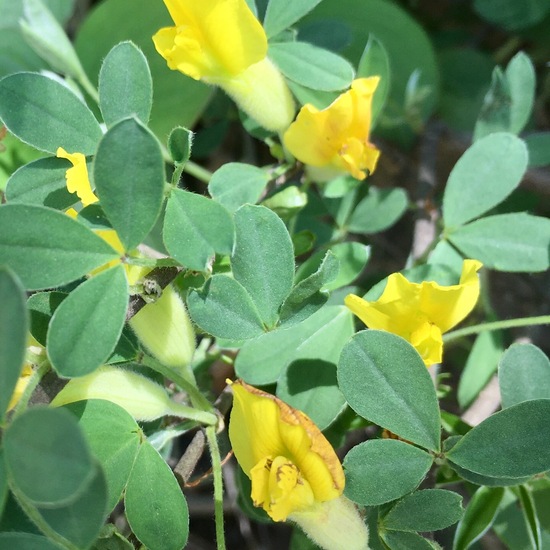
(294, 471)
(421, 312)
(336, 139)
(21, 385)
(222, 43)
(77, 177)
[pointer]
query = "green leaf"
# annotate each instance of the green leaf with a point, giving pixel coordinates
(41, 182)
(128, 172)
(13, 335)
(379, 210)
(42, 31)
(375, 62)
(523, 374)
(155, 506)
(401, 540)
(321, 337)
(311, 66)
(224, 309)
(178, 98)
(511, 443)
(506, 242)
(352, 258)
(307, 296)
(481, 364)
(382, 470)
(310, 386)
(80, 521)
(479, 516)
(521, 77)
(45, 114)
(382, 364)
(26, 541)
(510, 14)
(47, 248)
(263, 259)
(195, 229)
(114, 439)
(4, 489)
(530, 515)
(125, 85)
(495, 113)
(280, 14)
(47, 457)
(41, 306)
(539, 149)
(483, 177)
(427, 510)
(235, 184)
(87, 325)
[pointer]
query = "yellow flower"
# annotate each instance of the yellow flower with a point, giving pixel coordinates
(222, 43)
(420, 312)
(21, 385)
(77, 177)
(336, 139)
(294, 471)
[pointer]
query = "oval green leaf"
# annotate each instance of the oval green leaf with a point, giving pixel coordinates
(280, 15)
(379, 210)
(152, 487)
(427, 510)
(125, 85)
(47, 457)
(382, 470)
(114, 438)
(263, 259)
(523, 374)
(86, 327)
(321, 336)
(310, 66)
(45, 114)
(483, 177)
(195, 229)
(385, 381)
(310, 385)
(47, 248)
(81, 520)
(224, 309)
(515, 242)
(41, 306)
(479, 516)
(41, 182)
(512, 443)
(235, 184)
(128, 173)
(403, 540)
(13, 334)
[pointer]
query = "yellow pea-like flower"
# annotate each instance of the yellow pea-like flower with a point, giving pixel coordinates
(222, 43)
(335, 140)
(421, 312)
(294, 471)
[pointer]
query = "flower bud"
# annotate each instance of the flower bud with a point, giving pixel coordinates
(165, 329)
